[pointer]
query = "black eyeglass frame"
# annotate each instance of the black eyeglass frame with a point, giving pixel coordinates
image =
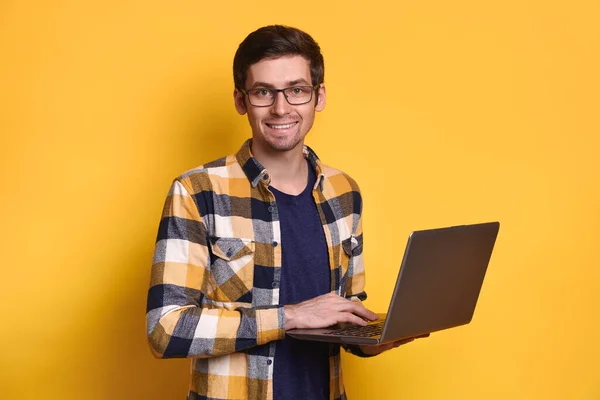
(276, 91)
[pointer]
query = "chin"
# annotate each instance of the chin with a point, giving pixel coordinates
(283, 144)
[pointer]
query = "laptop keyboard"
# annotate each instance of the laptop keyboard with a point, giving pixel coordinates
(360, 331)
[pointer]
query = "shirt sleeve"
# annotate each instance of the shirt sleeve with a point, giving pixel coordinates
(356, 271)
(355, 284)
(356, 290)
(177, 324)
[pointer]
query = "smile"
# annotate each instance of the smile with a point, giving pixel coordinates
(282, 126)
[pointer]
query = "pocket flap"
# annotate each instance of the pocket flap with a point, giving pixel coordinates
(231, 248)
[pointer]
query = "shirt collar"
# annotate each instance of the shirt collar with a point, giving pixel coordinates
(256, 173)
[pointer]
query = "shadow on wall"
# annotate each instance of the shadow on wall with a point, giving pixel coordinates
(204, 130)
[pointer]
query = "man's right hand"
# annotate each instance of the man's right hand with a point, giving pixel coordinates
(326, 310)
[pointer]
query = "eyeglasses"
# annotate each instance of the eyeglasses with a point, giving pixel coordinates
(295, 95)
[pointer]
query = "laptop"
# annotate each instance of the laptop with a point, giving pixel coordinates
(437, 287)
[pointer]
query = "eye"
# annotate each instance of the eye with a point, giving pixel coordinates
(263, 92)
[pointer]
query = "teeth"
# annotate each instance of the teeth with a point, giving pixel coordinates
(286, 126)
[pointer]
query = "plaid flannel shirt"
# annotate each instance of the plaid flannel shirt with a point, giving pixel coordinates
(214, 291)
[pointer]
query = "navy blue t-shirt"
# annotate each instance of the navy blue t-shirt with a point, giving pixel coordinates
(301, 368)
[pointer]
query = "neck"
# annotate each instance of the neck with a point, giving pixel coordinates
(288, 169)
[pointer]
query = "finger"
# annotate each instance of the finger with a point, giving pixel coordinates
(351, 318)
(353, 307)
(362, 311)
(345, 305)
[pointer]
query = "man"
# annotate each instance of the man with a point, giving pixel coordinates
(260, 242)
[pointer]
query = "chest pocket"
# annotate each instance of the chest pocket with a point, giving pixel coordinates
(232, 268)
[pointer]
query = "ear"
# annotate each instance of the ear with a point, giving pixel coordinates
(240, 102)
(321, 98)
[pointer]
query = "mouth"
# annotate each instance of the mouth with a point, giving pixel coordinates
(282, 127)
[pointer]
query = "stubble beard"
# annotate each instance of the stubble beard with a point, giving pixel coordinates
(284, 144)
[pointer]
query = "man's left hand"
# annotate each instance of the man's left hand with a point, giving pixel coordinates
(375, 349)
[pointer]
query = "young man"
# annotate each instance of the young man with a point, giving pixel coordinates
(260, 242)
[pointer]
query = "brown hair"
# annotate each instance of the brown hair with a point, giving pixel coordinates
(276, 41)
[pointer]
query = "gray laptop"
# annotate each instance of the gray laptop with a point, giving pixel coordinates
(437, 287)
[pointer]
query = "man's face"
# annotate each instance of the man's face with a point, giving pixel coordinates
(282, 126)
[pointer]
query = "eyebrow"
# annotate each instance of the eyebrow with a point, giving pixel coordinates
(288, 84)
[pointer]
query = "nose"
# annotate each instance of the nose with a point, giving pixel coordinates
(281, 106)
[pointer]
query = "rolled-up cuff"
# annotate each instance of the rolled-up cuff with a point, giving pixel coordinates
(270, 324)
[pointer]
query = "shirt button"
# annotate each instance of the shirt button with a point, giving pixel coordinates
(269, 362)
(229, 253)
(271, 209)
(274, 284)
(275, 244)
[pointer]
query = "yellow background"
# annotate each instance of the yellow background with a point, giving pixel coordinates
(446, 112)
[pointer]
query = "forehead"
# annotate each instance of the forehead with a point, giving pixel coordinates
(279, 71)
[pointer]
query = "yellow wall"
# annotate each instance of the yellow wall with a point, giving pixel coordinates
(446, 112)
